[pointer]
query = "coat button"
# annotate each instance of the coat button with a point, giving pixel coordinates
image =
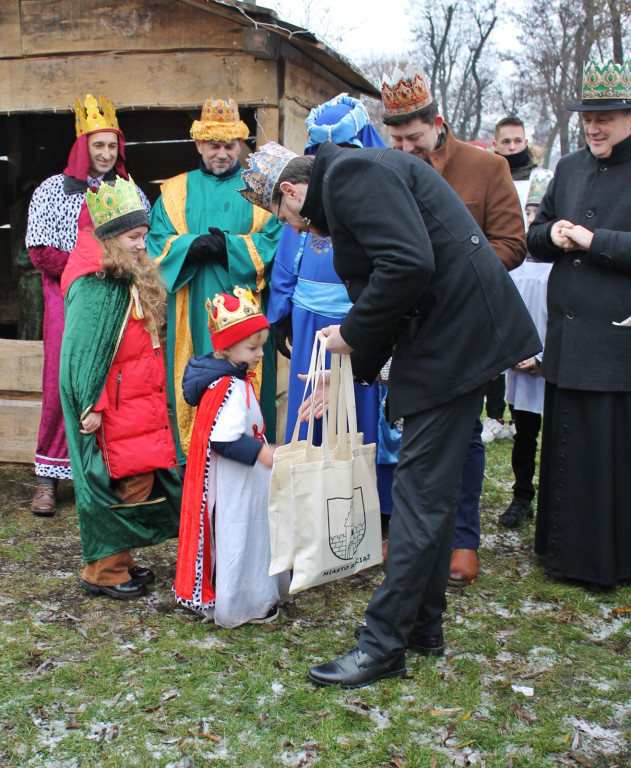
(570, 315)
(577, 262)
(602, 168)
(589, 213)
(475, 239)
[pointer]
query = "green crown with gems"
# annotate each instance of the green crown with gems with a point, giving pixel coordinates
(111, 202)
(611, 81)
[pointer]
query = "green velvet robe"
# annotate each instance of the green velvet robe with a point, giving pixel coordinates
(96, 314)
(188, 206)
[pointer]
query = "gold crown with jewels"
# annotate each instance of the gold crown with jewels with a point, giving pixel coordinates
(219, 121)
(233, 318)
(403, 94)
(94, 115)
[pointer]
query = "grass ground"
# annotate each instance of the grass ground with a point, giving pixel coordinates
(537, 673)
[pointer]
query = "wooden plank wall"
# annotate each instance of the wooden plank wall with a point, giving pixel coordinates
(20, 399)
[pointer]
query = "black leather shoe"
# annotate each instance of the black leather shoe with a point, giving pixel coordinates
(426, 645)
(142, 575)
(125, 591)
(357, 669)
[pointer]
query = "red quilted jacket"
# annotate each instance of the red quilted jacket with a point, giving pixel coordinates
(135, 435)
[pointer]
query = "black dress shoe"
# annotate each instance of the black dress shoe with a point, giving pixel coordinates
(426, 645)
(142, 575)
(126, 591)
(357, 669)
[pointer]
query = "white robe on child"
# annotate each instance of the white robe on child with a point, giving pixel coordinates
(239, 494)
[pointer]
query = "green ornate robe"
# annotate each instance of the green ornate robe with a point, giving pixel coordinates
(189, 205)
(97, 311)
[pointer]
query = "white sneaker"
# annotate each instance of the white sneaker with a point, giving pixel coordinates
(493, 429)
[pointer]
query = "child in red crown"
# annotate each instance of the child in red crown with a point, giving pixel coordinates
(224, 550)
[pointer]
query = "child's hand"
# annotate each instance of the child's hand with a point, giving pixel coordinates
(266, 455)
(91, 423)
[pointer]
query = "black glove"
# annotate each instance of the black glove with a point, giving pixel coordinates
(283, 333)
(208, 248)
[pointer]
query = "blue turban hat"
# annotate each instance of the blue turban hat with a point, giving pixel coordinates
(342, 120)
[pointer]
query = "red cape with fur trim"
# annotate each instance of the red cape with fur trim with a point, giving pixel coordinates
(193, 549)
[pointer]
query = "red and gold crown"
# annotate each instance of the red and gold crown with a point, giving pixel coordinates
(219, 121)
(402, 94)
(94, 115)
(233, 318)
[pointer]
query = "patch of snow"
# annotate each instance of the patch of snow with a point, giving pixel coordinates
(604, 741)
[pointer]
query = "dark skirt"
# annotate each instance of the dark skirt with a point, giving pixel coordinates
(584, 509)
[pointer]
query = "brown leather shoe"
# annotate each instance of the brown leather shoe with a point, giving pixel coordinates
(464, 567)
(44, 502)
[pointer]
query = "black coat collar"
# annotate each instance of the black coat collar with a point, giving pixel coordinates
(313, 206)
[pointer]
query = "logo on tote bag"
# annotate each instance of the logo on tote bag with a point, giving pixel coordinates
(347, 524)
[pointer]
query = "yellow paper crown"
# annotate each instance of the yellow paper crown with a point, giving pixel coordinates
(94, 116)
(219, 121)
(404, 94)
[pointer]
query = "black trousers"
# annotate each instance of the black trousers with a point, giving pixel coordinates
(425, 493)
(527, 426)
(495, 404)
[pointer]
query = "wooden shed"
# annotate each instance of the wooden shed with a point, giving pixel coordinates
(157, 60)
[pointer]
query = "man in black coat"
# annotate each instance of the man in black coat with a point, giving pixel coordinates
(583, 225)
(429, 290)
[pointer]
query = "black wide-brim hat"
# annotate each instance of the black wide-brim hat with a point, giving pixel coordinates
(599, 105)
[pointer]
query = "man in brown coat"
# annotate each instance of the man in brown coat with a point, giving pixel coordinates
(483, 182)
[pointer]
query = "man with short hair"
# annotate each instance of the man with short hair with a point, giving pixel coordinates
(510, 142)
(428, 290)
(207, 239)
(483, 182)
(583, 227)
(56, 213)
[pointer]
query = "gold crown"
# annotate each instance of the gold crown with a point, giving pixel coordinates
(405, 95)
(219, 121)
(247, 307)
(91, 117)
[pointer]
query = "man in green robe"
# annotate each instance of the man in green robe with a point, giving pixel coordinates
(207, 239)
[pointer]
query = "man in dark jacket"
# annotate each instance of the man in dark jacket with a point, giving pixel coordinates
(583, 226)
(483, 182)
(428, 289)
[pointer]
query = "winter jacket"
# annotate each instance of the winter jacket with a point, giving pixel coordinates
(421, 275)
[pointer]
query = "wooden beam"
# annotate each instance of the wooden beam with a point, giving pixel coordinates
(21, 369)
(10, 31)
(67, 26)
(177, 80)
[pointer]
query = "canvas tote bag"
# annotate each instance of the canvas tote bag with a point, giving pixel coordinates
(281, 529)
(335, 504)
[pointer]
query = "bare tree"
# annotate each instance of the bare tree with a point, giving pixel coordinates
(454, 38)
(557, 38)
